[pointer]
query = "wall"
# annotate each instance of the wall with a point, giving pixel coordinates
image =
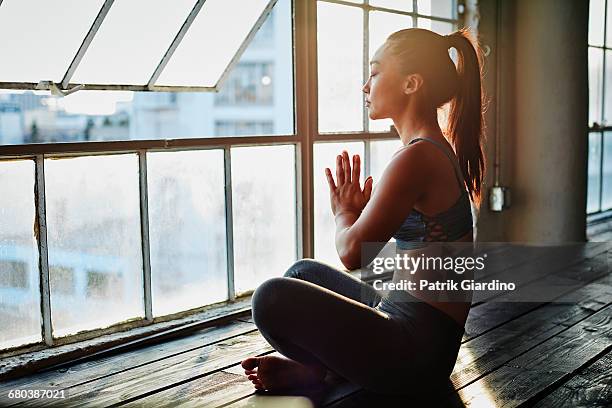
(542, 121)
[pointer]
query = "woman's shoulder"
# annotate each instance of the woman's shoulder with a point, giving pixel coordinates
(407, 170)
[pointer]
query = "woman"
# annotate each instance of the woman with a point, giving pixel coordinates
(324, 320)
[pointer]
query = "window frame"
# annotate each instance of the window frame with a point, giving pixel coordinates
(601, 128)
(304, 48)
(65, 83)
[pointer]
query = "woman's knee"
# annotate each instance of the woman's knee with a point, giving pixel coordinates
(305, 269)
(269, 299)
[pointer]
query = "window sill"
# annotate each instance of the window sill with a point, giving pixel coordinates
(29, 359)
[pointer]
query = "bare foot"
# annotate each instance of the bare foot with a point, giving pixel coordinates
(279, 373)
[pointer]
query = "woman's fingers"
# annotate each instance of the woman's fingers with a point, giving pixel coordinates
(356, 168)
(340, 170)
(330, 179)
(347, 166)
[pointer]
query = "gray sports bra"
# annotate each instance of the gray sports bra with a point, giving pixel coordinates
(448, 225)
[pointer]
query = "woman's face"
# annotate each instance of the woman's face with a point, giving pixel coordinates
(383, 90)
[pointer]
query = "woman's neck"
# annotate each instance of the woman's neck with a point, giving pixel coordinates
(411, 126)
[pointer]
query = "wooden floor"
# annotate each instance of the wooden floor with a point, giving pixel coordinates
(550, 354)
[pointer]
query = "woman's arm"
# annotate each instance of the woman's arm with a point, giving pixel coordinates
(402, 184)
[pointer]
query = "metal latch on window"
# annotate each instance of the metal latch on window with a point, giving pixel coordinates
(55, 90)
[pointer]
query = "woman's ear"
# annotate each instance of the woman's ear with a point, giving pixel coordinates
(412, 83)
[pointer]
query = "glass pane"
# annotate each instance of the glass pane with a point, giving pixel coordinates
(608, 26)
(596, 22)
(383, 24)
(136, 43)
(607, 119)
(38, 43)
(594, 175)
(380, 155)
(93, 229)
(606, 192)
(264, 211)
(340, 67)
(19, 286)
(438, 8)
(187, 208)
(595, 84)
(325, 226)
(440, 27)
(210, 43)
(404, 5)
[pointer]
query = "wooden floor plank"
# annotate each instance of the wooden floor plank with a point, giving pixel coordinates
(85, 372)
(131, 384)
(544, 366)
(486, 353)
(558, 262)
(591, 387)
(211, 391)
(167, 373)
(486, 316)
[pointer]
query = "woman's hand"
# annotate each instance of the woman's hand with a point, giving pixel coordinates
(348, 196)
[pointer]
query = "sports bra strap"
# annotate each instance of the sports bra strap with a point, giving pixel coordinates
(454, 163)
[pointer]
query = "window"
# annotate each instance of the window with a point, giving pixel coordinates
(599, 187)
(262, 77)
(169, 197)
(341, 39)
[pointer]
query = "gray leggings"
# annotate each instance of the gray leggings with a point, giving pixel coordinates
(317, 314)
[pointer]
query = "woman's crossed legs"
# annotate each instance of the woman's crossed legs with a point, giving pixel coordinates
(324, 319)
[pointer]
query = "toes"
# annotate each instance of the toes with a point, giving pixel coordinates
(247, 372)
(250, 363)
(252, 377)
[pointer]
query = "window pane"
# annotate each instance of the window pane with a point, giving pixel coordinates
(255, 99)
(340, 67)
(210, 43)
(36, 42)
(382, 24)
(607, 119)
(137, 43)
(594, 172)
(187, 208)
(608, 26)
(404, 5)
(380, 155)
(19, 285)
(438, 8)
(93, 229)
(440, 27)
(606, 193)
(596, 22)
(595, 84)
(264, 211)
(325, 226)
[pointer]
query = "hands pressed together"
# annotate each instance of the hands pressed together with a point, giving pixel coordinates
(347, 195)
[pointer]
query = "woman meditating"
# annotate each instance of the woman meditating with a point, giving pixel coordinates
(322, 319)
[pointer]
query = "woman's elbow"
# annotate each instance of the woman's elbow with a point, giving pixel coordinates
(351, 259)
